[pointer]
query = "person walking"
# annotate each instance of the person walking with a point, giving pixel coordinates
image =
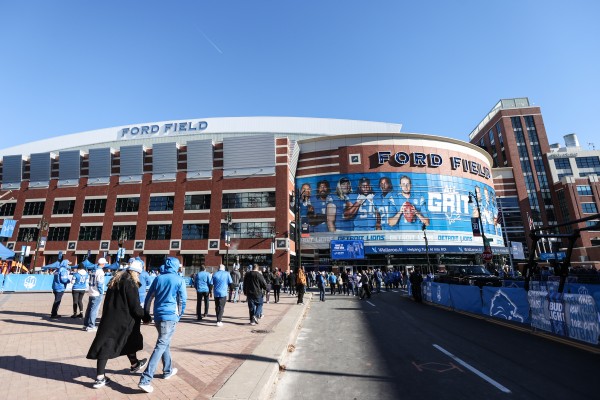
(59, 284)
(119, 331)
(96, 293)
(292, 282)
(320, 278)
(170, 296)
(80, 278)
(234, 288)
(416, 279)
(220, 282)
(269, 279)
(145, 280)
(203, 286)
(276, 284)
(254, 284)
(332, 282)
(301, 284)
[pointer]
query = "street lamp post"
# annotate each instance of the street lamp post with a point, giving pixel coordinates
(297, 199)
(42, 227)
(479, 220)
(424, 229)
(272, 248)
(227, 240)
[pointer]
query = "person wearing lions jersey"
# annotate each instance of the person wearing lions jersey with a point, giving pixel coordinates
(362, 209)
(408, 208)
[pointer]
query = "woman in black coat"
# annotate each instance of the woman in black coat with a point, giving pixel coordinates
(119, 330)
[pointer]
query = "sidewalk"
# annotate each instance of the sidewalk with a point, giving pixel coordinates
(45, 359)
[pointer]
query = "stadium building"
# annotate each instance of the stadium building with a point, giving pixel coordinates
(251, 190)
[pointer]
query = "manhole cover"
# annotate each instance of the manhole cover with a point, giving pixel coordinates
(263, 331)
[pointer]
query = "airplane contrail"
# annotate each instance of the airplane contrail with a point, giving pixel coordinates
(211, 42)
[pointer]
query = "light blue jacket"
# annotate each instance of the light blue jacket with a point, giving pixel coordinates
(80, 279)
(168, 292)
(220, 281)
(61, 277)
(202, 282)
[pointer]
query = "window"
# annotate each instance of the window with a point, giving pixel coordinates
(194, 231)
(249, 200)
(63, 207)
(562, 163)
(584, 190)
(158, 232)
(90, 232)
(248, 230)
(59, 233)
(124, 232)
(587, 162)
(28, 234)
(127, 204)
(94, 206)
(499, 130)
(7, 209)
(491, 137)
(482, 143)
(593, 224)
(34, 208)
(589, 208)
(161, 203)
(197, 202)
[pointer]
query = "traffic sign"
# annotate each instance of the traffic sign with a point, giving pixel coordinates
(487, 255)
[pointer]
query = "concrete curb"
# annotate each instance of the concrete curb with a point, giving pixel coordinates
(254, 379)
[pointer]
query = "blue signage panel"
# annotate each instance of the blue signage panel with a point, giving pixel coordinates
(553, 256)
(347, 249)
(8, 227)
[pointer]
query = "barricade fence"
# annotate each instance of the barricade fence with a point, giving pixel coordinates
(43, 283)
(574, 314)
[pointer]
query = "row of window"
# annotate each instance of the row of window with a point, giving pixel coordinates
(157, 203)
(240, 230)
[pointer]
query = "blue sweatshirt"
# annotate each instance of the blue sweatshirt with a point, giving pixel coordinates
(145, 281)
(80, 280)
(220, 281)
(202, 282)
(168, 292)
(61, 277)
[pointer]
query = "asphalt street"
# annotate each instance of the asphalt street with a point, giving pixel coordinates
(390, 347)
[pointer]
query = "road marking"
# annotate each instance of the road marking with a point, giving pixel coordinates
(473, 370)
(370, 303)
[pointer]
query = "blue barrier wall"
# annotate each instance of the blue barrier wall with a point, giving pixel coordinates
(506, 303)
(466, 298)
(1, 280)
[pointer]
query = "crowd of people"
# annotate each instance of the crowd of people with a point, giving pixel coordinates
(129, 295)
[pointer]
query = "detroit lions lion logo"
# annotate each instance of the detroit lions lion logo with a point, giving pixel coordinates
(502, 307)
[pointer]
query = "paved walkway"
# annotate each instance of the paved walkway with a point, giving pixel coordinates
(45, 359)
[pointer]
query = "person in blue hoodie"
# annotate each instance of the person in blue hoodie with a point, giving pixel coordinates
(221, 281)
(145, 280)
(59, 284)
(169, 294)
(203, 285)
(80, 281)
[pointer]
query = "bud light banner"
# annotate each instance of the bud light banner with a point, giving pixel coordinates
(395, 208)
(347, 249)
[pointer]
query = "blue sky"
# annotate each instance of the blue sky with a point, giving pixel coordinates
(437, 67)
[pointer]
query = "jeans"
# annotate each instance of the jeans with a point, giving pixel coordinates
(202, 296)
(234, 293)
(220, 307)
(322, 293)
(57, 299)
(91, 312)
(162, 351)
(268, 292)
(276, 292)
(253, 303)
(259, 307)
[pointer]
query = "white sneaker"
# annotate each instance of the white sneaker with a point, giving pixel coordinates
(219, 324)
(173, 373)
(146, 388)
(88, 329)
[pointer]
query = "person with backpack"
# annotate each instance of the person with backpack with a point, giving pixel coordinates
(234, 288)
(277, 279)
(59, 284)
